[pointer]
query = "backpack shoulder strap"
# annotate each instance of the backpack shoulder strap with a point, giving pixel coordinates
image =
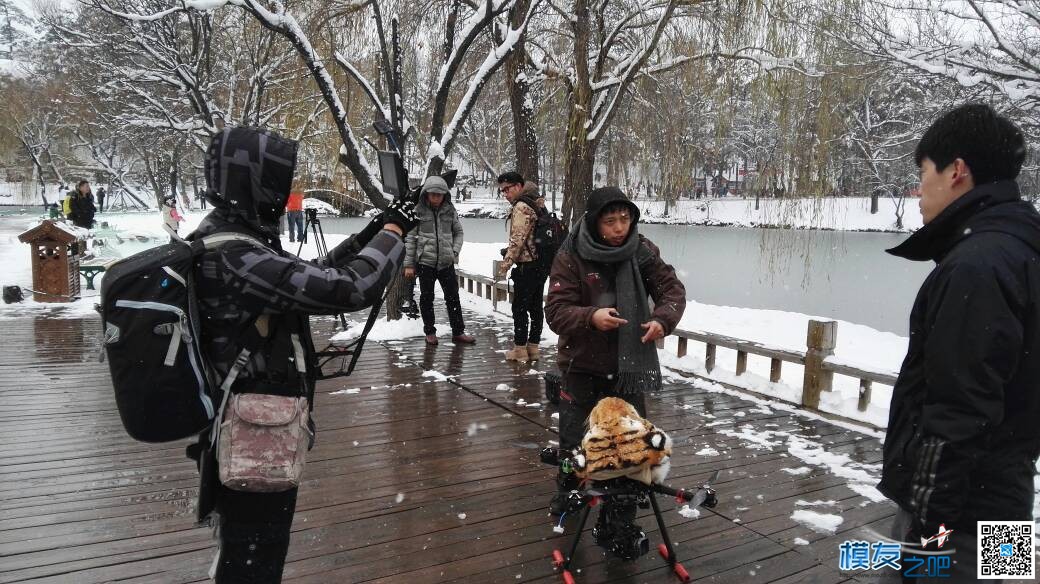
(215, 240)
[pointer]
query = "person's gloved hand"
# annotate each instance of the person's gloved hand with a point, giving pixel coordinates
(402, 213)
(346, 250)
(374, 226)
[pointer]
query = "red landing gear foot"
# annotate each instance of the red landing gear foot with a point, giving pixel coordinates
(663, 550)
(567, 577)
(681, 572)
(557, 558)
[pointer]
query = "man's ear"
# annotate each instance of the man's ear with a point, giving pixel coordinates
(961, 172)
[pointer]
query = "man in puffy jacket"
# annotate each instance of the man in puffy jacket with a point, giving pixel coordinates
(963, 437)
(432, 252)
(597, 303)
(250, 290)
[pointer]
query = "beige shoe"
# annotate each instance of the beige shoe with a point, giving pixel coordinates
(517, 353)
(532, 351)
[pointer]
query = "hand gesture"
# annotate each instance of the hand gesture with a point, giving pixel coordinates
(654, 331)
(607, 319)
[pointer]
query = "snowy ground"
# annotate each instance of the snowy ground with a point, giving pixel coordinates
(845, 214)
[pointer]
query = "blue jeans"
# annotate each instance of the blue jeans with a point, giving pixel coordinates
(295, 221)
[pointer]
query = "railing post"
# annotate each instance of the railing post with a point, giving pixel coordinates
(774, 370)
(741, 362)
(494, 284)
(821, 338)
(709, 357)
(864, 394)
(469, 285)
(681, 349)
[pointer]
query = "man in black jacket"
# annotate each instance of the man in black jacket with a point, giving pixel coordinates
(964, 424)
(257, 290)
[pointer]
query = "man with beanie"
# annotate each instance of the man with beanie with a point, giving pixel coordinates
(432, 250)
(528, 273)
(598, 289)
(254, 299)
(963, 438)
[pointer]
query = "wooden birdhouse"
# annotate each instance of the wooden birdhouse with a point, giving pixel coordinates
(55, 250)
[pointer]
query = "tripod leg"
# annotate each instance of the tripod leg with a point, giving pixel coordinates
(564, 562)
(665, 549)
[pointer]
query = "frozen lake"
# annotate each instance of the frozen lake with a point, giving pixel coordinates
(837, 274)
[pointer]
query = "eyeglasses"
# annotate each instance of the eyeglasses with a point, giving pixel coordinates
(506, 188)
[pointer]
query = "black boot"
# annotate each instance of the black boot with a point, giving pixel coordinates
(565, 483)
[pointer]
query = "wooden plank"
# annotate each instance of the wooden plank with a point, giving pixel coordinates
(412, 479)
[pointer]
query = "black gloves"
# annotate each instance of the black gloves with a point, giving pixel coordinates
(365, 235)
(402, 213)
(345, 251)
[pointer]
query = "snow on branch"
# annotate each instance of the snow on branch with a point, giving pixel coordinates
(632, 67)
(366, 86)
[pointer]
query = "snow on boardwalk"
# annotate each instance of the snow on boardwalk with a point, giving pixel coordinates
(415, 478)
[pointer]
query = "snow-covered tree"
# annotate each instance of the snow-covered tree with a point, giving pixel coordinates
(992, 43)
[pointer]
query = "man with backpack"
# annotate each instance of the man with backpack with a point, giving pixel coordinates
(254, 300)
(530, 255)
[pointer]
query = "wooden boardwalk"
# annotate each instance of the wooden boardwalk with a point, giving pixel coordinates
(414, 478)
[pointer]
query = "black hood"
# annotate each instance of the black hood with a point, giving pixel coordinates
(600, 198)
(249, 172)
(990, 207)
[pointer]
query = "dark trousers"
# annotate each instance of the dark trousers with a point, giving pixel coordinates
(528, 283)
(581, 392)
(297, 231)
(254, 535)
(449, 282)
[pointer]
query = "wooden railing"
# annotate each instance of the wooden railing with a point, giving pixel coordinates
(820, 365)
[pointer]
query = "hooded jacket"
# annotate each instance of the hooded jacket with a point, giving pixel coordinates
(245, 289)
(579, 287)
(963, 432)
(437, 240)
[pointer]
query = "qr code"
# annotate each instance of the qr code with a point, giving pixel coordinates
(1006, 550)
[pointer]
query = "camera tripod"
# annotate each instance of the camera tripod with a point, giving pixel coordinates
(633, 542)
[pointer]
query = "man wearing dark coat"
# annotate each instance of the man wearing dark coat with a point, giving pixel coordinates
(249, 289)
(964, 424)
(599, 286)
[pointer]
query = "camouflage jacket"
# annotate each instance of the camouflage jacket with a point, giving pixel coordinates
(521, 224)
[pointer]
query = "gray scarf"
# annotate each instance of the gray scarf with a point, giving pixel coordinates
(638, 367)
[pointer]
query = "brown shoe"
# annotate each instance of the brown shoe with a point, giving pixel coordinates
(532, 351)
(463, 339)
(431, 339)
(517, 353)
